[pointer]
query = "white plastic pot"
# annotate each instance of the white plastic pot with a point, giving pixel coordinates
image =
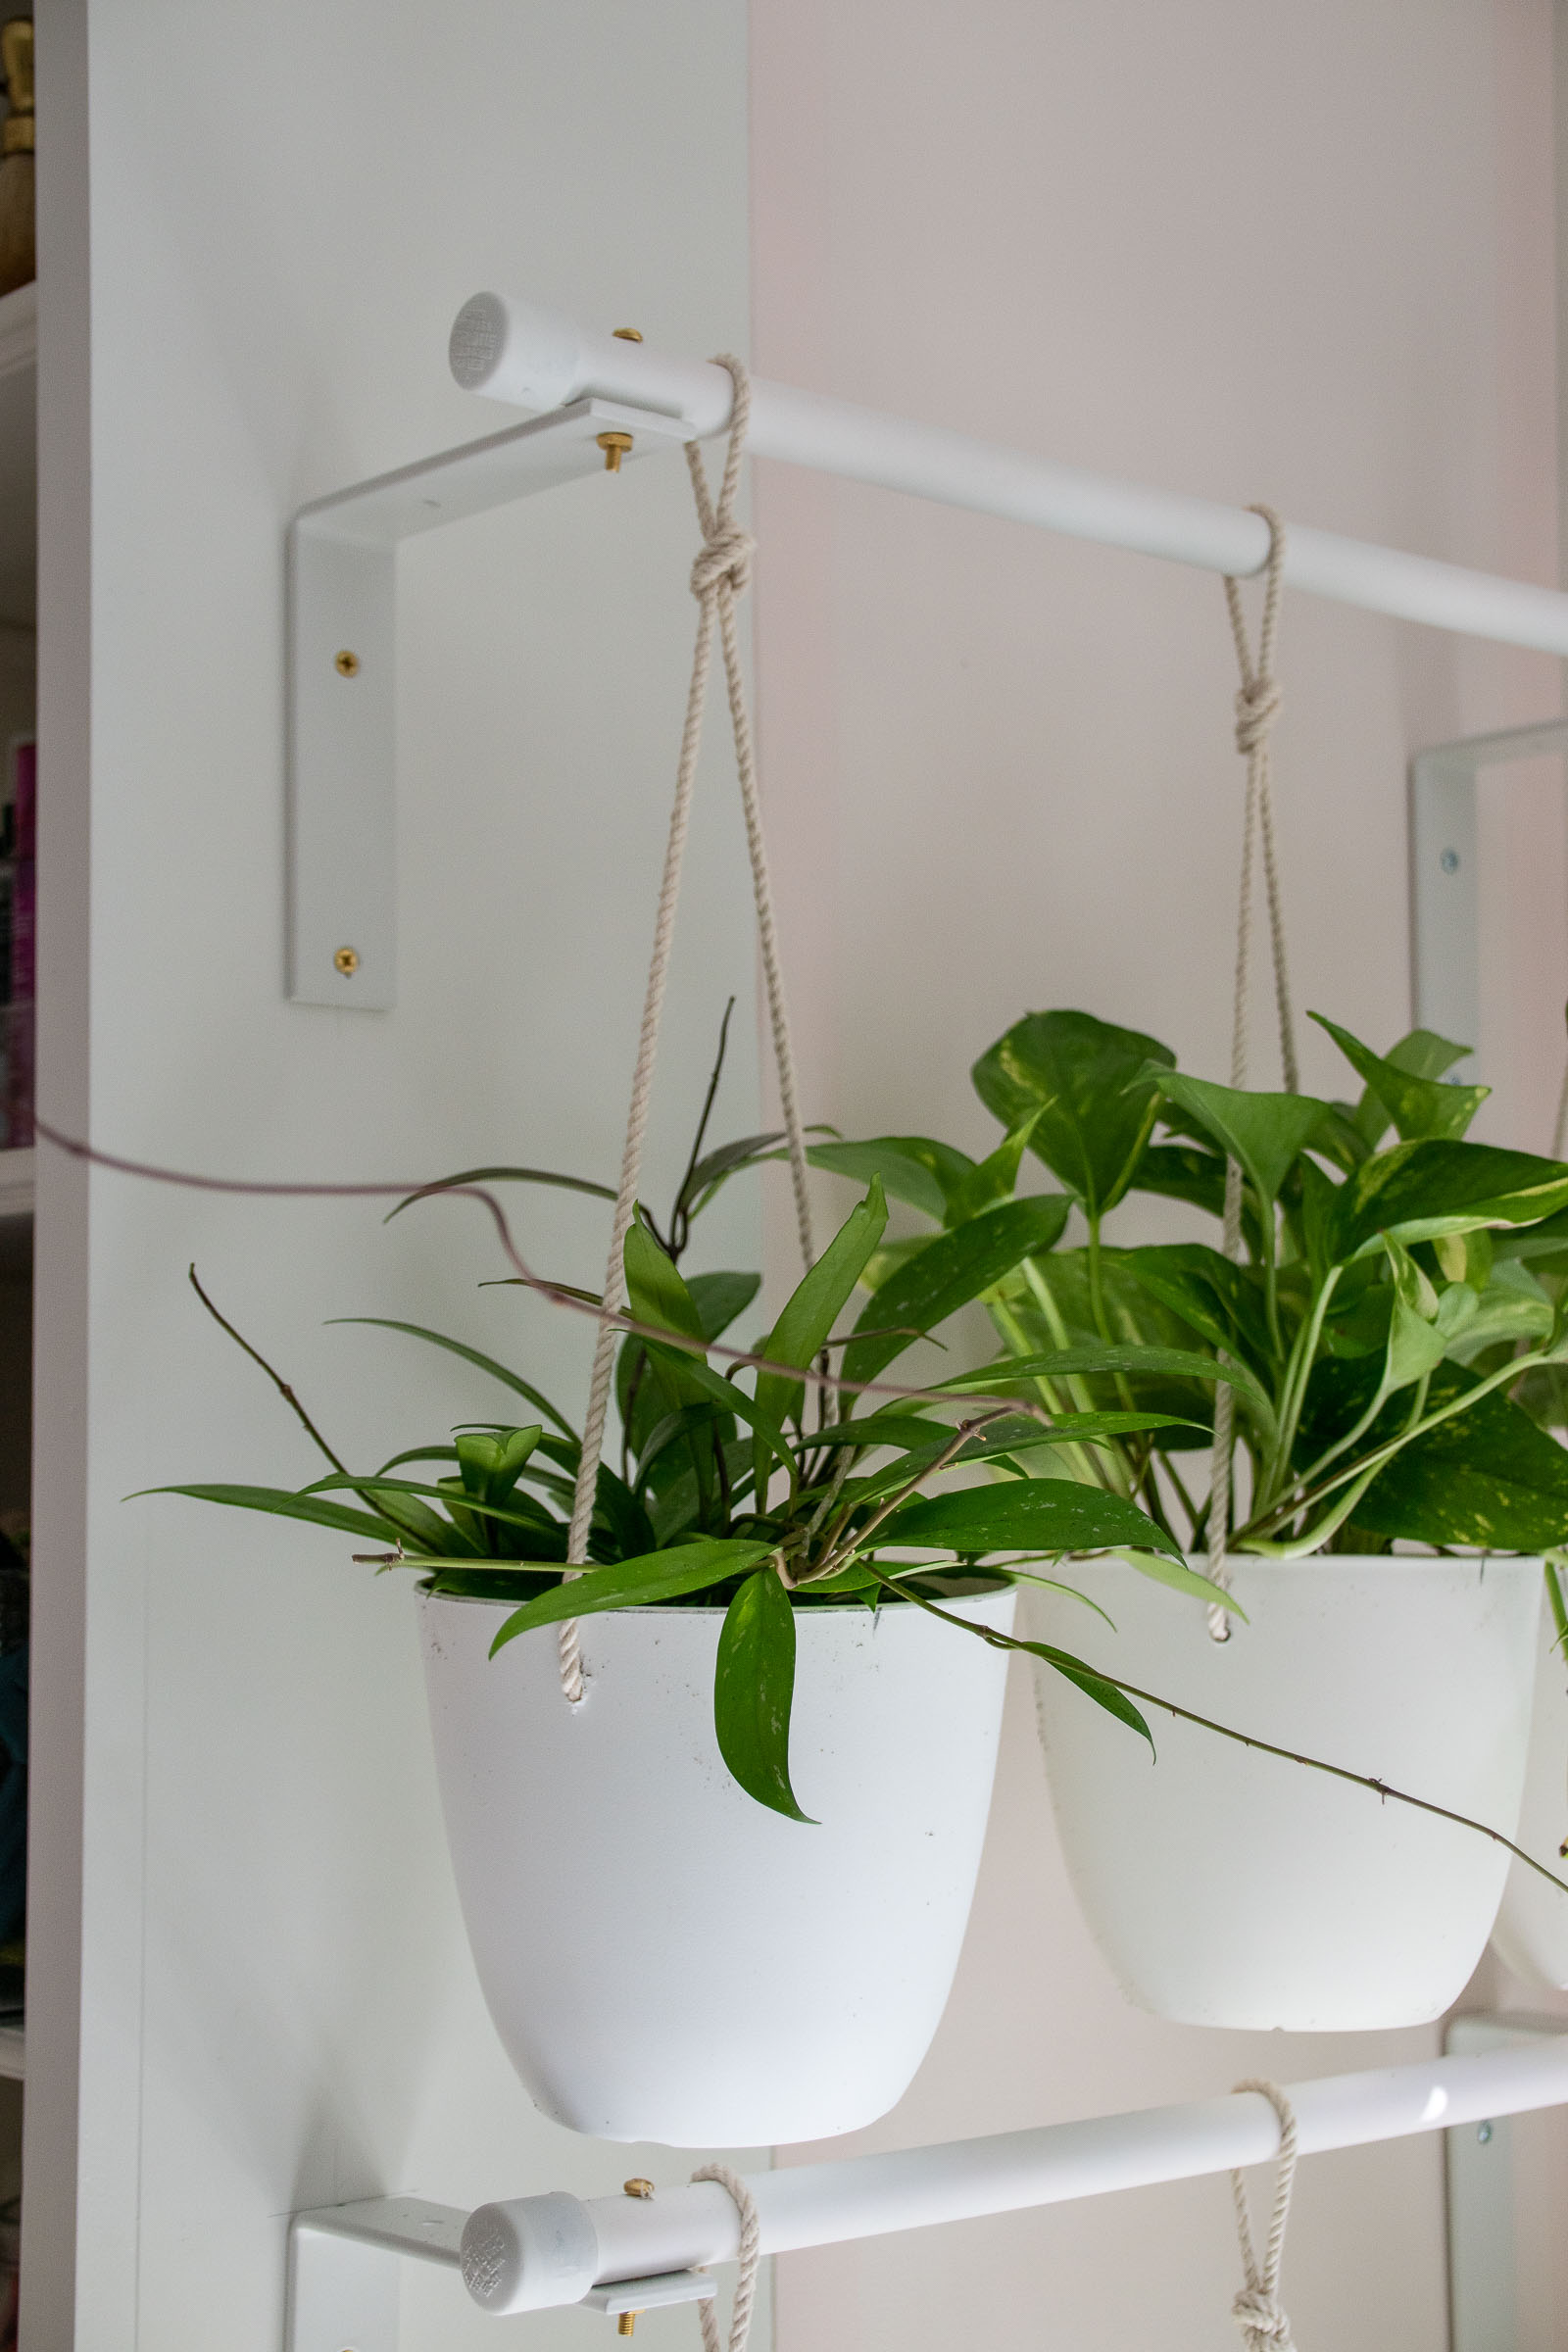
(1226, 1888)
(662, 1957)
(1530, 1936)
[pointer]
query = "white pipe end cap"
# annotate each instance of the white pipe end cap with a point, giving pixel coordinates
(516, 351)
(529, 2253)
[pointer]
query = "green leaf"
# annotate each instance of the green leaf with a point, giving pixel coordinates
(814, 1306)
(1201, 1286)
(1089, 1084)
(1183, 1172)
(1422, 1053)
(1489, 1477)
(915, 1168)
(719, 1297)
(994, 1178)
(1096, 1355)
(732, 1399)
(1418, 1106)
(469, 1356)
(1265, 1133)
(948, 1274)
(1093, 1685)
(1043, 1515)
(1512, 1308)
(727, 1159)
(286, 1505)
(1422, 1190)
(754, 1689)
(1182, 1579)
(474, 1176)
(635, 1583)
(900, 1429)
(656, 1295)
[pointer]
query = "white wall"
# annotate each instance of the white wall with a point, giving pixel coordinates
(1252, 252)
(287, 205)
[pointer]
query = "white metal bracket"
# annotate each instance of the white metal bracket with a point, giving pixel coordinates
(1483, 2269)
(343, 2275)
(343, 2272)
(1445, 877)
(342, 561)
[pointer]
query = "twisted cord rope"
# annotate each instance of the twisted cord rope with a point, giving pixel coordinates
(739, 2318)
(720, 572)
(1259, 702)
(1257, 2310)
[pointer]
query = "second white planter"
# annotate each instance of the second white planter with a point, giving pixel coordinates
(1530, 1936)
(1227, 1888)
(662, 1957)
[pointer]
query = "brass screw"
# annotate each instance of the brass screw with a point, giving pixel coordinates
(638, 2187)
(628, 335)
(626, 2323)
(347, 962)
(347, 664)
(615, 447)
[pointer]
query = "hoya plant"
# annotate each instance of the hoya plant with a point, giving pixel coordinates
(769, 1479)
(1400, 1296)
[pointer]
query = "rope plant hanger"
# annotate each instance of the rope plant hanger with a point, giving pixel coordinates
(720, 573)
(1258, 707)
(1257, 2310)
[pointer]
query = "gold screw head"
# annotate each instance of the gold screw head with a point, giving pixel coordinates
(628, 335)
(347, 962)
(615, 447)
(638, 2187)
(347, 664)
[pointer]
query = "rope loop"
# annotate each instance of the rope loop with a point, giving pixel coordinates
(1257, 2310)
(740, 2319)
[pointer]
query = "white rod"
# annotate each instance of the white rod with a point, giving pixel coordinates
(541, 2252)
(539, 359)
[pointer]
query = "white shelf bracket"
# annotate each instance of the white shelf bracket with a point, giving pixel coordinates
(343, 2272)
(1444, 874)
(342, 630)
(1483, 2253)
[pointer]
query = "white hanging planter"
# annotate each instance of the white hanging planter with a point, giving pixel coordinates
(1226, 1888)
(662, 1957)
(1530, 1936)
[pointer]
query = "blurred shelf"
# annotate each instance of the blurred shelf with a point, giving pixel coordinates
(15, 1182)
(13, 2051)
(18, 456)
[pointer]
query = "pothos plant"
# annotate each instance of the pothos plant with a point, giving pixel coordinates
(761, 1487)
(1394, 1329)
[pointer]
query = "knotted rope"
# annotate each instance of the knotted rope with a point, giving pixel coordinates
(1257, 706)
(720, 573)
(739, 2318)
(1257, 2310)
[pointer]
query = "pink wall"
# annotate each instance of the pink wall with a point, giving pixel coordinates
(1252, 252)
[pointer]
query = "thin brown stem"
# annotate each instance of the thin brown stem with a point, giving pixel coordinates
(1206, 1723)
(276, 1378)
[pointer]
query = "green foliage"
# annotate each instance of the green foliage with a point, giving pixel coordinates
(1086, 1087)
(757, 1490)
(1394, 1312)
